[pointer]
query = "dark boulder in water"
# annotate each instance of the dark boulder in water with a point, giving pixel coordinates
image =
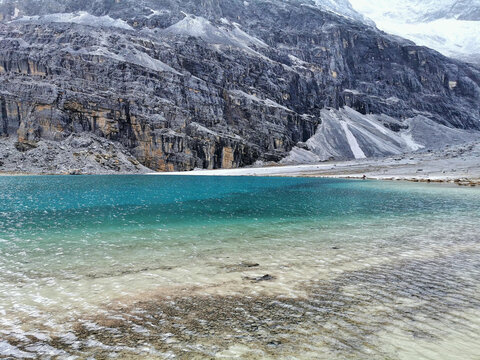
(266, 277)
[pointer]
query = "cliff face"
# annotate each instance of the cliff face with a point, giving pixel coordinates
(210, 84)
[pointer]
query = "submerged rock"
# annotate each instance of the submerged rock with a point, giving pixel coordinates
(266, 277)
(241, 266)
(247, 264)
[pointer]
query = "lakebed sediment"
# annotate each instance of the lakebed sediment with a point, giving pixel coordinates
(344, 316)
(208, 267)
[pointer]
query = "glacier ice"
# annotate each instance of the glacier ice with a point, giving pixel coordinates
(451, 27)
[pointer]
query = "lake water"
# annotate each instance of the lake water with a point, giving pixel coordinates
(153, 267)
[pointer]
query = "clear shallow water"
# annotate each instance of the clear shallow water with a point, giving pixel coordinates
(163, 267)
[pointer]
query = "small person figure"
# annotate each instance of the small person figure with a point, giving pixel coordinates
(364, 177)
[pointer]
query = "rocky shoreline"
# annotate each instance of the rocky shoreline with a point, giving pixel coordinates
(458, 165)
(454, 165)
(79, 154)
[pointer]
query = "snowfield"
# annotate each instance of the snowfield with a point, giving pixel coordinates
(448, 26)
(81, 17)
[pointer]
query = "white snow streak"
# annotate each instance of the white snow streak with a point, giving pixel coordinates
(410, 142)
(266, 102)
(352, 141)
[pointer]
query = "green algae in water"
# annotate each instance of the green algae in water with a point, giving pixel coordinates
(145, 266)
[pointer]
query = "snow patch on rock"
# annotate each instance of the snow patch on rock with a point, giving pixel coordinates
(129, 55)
(341, 8)
(229, 33)
(81, 17)
(254, 98)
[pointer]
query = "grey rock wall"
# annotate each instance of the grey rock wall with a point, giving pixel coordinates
(212, 83)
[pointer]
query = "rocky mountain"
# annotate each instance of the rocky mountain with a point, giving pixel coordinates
(449, 26)
(178, 85)
(346, 134)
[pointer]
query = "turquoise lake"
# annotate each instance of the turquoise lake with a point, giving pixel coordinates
(185, 267)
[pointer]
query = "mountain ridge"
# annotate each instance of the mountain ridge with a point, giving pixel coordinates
(185, 88)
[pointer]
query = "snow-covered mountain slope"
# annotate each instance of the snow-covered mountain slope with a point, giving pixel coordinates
(341, 7)
(345, 134)
(414, 11)
(225, 33)
(451, 27)
(81, 17)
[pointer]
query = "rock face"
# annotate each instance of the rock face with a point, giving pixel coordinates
(212, 83)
